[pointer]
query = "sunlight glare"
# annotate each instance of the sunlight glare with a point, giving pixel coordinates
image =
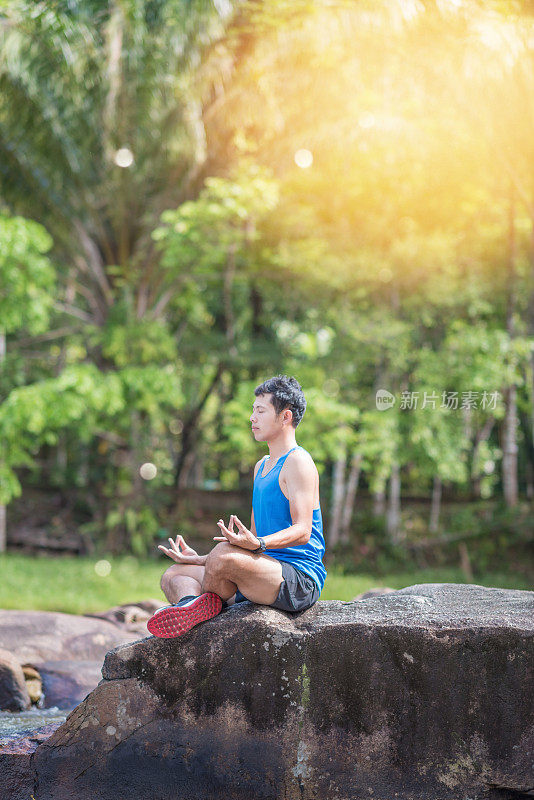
(303, 158)
(366, 120)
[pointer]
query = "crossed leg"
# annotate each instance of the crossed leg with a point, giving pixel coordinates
(227, 569)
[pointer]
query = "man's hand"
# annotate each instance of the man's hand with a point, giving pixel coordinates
(240, 538)
(180, 552)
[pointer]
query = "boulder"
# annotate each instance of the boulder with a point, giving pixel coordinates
(34, 683)
(65, 650)
(13, 691)
(16, 775)
(375, 592)
(425, 693)
(66, 683)
(37, 636)
(133, 616)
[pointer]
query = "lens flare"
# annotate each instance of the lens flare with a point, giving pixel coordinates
(366, 120)
(124, 157)
(176, 426)
(148, 471)
(303, 158)
(102, 568)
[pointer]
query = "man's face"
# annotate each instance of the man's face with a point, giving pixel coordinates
(265, 423)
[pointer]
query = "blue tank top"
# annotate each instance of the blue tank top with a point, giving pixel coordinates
(272, 514)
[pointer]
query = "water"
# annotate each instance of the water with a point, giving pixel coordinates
(22, 723)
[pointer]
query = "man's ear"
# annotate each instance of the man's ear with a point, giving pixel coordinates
(288, 416)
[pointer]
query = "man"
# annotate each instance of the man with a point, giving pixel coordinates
(278, 560)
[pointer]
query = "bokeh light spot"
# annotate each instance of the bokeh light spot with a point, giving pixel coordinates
(176, 426)
(148, 471)
(102, 568)
(331, 387)
(303, 158)
(124, 157)
(366, 120)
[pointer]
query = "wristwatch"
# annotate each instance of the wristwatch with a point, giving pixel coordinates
(262, 546)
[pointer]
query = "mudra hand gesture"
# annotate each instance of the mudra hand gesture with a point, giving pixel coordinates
(240, 538)
(180, 552)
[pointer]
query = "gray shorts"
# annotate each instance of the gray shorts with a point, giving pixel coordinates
(297, 592)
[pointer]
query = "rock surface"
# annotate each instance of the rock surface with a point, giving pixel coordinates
(66, 683)
(421, 694)
(34, 684)
(37, 636)
(65, 650)
(13, 691)
(133, 616)
(16, 775)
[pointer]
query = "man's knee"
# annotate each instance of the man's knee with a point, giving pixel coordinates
(166, 579)
(222, 558)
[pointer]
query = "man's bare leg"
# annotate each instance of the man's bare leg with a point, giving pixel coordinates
(228, 568)
(181, 580)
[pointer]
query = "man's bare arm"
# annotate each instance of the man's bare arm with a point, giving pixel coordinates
(300, 480)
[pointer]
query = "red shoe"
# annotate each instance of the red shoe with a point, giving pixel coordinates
(175, 620)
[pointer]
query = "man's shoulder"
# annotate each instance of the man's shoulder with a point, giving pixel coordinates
(300, 460)
(258, 463)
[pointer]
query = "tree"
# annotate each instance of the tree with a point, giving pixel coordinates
(27, 278)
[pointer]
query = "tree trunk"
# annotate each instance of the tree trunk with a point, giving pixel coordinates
(529, 480)
(436, 504)
(338, 490)
(393, 511)
(509, 457)
(509, 448)
(531, 328)
(3, 528)
(529, 447)
(482, 435)
(228, 283)
(350, 496)
(190, 428)
(465, 563)
(379, 503)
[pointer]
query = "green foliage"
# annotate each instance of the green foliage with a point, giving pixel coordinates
(401, 259)
(33, 415)
(141, 527)
(145, 342)
(27, 276)
(199, 235)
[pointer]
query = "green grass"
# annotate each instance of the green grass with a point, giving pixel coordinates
(73, 586)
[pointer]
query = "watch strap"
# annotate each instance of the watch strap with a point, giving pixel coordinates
(262, 546)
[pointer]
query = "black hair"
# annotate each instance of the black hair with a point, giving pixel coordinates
(286, 393)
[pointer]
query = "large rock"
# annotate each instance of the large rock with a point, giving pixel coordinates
(16, 775)
(67, 650)
(66, 683)
(13, 691)
(421, 694)
(37, 636)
